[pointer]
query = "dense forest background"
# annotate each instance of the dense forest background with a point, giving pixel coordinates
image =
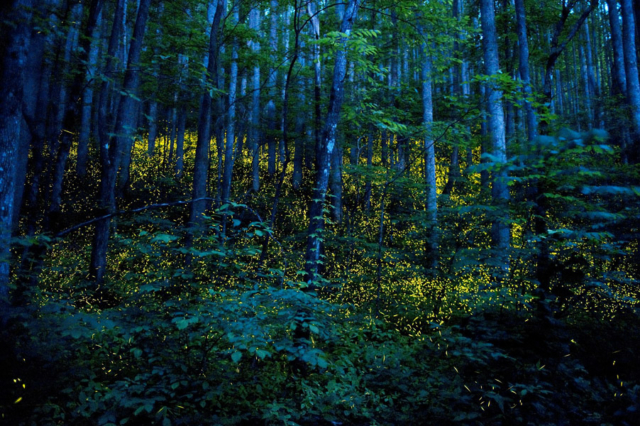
(312, 212)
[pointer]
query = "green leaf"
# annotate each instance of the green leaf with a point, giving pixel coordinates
(262, 354)
(163, 238)
(235, 357)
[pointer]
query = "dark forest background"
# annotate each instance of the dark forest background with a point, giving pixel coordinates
(312, 212)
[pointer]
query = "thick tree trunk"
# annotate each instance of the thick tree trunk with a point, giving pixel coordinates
(500, 192)
(37, 72)
(14, 50)
(329, 135)
(618, 75)
(631, 72)
(123, 132)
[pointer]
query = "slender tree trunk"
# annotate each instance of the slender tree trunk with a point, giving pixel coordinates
(500, 192)
(68, 102)
(254, 132)
(586, 88)
(368, 183)
(273, 79)
(317, 88)
(431, 204)
(523, 43)
(200, 175)
(557, 47)
(87, 103)
(153, 127)
(316, 218)
(36, 117)
(300, 133)
(182, 124)
(123, 132)
(336, 182)
(228, 153)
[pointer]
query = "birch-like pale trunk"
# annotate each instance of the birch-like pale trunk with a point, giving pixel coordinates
(231, 123)
(523, 44)
(496, 127)
(254, 113)
(431, 196)
(329, 136)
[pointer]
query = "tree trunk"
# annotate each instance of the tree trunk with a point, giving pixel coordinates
(631, 72)
(68, 101)
(87, 103)
(123, 132)
(14, 50)
(586, 87)
(182, 124)
(201, 170)
(618, 75)
(254, 114)
(523, 43)
(273, 79)
(431, 204)
(228, 153)
(329, 134)
(500, 192)
(317, 72)
(336, 183)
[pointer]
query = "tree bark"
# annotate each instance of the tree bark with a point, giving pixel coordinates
(618, 75)
(201, 170)
(228, 153)
(329, 135)
(500, 192)
(523, 43)
(87, 103)
(631, 72)
(254, 113)
(317, 73)
(123, 132)
(273, 79)
(431, 199)
(15, 47)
